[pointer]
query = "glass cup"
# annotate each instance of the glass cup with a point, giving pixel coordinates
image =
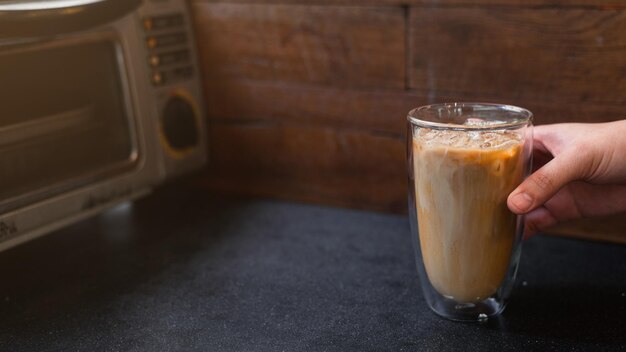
(464, 159)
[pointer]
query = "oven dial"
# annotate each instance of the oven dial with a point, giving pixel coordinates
(180, 124)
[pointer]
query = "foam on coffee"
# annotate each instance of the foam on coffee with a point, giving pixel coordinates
(466, 232)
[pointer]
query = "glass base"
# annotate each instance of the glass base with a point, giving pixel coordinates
(468, 312)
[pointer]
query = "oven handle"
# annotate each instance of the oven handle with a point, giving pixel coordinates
(27, 19)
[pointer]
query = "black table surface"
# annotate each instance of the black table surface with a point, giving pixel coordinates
(187, 270)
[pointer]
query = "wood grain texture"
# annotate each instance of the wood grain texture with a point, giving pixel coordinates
(322, 117)
(322, 165)
(599, 4)
(376, 111)
(341, 46)
(564, 56)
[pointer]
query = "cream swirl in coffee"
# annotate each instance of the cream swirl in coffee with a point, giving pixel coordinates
(466, 231)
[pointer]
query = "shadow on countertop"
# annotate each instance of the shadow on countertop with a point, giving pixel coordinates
(581, 313)
(89, 263)
(569, 290)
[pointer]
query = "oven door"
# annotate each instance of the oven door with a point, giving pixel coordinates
(66, 117)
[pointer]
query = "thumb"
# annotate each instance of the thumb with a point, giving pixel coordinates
(545, 183)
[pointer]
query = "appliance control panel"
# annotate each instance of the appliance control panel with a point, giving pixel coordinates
(172, 62)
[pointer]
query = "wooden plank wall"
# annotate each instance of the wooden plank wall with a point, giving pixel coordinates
(307, 98)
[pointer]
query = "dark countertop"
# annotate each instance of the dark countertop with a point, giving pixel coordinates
(185, 270)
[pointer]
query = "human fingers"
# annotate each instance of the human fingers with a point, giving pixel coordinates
(552, 139)
(542, 135)
(545, 183)
(538, 220)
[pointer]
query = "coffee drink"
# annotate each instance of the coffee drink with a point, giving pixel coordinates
(466, 231)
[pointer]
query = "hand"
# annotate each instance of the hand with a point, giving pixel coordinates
(580, 171)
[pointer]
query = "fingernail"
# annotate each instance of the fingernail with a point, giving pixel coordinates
(522, 201)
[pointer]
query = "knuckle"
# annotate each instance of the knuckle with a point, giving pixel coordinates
(543, 181)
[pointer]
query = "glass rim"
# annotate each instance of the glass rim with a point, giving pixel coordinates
(526, 117)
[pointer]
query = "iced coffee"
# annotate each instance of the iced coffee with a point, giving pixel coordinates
(466, 232)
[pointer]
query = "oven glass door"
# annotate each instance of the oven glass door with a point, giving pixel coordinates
(65, 117)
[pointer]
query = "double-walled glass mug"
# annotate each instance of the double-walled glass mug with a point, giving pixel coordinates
(464, 160)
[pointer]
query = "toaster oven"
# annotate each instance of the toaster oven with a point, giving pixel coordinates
(100, 101)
